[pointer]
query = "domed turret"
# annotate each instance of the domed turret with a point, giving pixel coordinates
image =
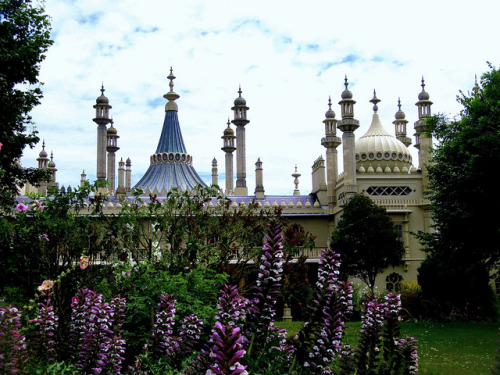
(102, 99)
(330, 114)
(43, 153)
(240, 100)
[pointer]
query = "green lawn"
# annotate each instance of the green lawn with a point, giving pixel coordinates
(443, 348)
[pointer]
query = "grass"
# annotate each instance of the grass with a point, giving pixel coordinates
(443, 348)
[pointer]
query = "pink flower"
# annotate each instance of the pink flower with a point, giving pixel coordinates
(46, 285)
(21, 207)
(1, 144)
(84, 262)
(46, 237)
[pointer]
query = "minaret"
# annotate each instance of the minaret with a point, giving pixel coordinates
(83, 178)
(423, 140)
(215, 176)
(128, 176)
(240, 120)
(348, 125)
(43, 163)
(228, 147)
(400, 126)
(52, 167)
(102, 119)
(331, 142)
(112, 147)
(120, 190)
(259, 180)
(296, 176)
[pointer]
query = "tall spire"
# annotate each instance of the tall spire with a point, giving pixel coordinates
(240, 120)
(171, 96)
(400, 125)
(228, 147)
(330, 142)
(348, 125)
(102, 119)
(423, 139)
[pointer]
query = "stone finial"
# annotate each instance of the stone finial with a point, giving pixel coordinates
(296, 176)
(171, 96)
(375, 101)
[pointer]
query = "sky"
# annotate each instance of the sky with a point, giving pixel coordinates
(288, 56)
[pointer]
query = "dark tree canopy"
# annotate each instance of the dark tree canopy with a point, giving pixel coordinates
(366, 240)
(464, 196)
(24, 39)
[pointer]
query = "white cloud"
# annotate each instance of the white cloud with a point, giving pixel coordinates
(287, 56)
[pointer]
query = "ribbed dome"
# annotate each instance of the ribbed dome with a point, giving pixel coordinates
(378, 147)
(112, 130)
(43, 153)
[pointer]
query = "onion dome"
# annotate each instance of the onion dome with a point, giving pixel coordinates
(228, 131)
(423, 95)
(330, 114)
(379, 147)
(43, 153)
(51, 162)
(400, 115)
(102, 99)
(112, 130)
(346, 94)
(239, 100)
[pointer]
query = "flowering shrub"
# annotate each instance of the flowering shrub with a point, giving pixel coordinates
(96, 328)
(13, 355)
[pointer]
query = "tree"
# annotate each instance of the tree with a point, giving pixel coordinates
(24, 39)
(464, 198)
(366, 240)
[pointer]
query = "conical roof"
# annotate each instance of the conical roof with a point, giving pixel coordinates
(171, 166)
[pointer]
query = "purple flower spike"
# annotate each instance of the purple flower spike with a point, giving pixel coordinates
(164, 342)
(13, 355)
(227, 350)
(46, 328)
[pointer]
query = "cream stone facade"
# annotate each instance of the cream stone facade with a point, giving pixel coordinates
(377, 163)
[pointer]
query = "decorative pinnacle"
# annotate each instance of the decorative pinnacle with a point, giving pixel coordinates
(345, 82)
(51, 155)
(329, 107)
(399, 103)
(375, 100)
(171, 96)
(423, 84)
(171, 77)
(228, 122)
(43, 145)
(239, 91)
(102, 88)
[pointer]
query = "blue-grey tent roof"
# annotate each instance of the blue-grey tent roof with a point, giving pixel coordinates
(171, 137)
(171, 175)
